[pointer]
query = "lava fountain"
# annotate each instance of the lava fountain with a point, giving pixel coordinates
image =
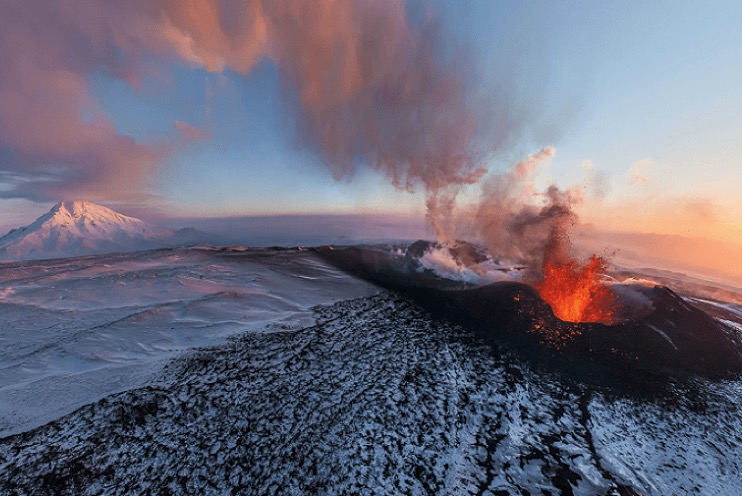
(575, 292)
(513, 226)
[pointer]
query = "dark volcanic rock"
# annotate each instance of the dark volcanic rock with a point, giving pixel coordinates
(672, 337)
(382, 267)
(375, 398)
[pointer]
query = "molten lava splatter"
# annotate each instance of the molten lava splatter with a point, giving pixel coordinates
(575, 291)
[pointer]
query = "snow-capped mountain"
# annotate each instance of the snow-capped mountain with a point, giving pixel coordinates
(77, 228)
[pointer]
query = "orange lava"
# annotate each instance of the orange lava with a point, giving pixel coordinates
(575, 292)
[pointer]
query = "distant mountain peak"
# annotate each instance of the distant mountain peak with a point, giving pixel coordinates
(80, 227)
(81, 207)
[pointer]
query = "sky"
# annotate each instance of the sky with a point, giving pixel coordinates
(175, 109)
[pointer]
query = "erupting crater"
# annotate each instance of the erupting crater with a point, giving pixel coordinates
(576, 292)
(571, 319)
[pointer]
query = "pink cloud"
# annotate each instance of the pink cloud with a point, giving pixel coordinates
(49, 49)
(369, 87)
(191, 133)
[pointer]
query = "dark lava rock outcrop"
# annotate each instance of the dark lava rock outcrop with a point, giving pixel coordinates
(668, 336)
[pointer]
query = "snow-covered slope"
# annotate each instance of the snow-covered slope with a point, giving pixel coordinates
(258, 371)
(79, 228)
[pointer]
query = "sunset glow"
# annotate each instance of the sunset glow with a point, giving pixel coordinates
(298, 247)
(171, 110)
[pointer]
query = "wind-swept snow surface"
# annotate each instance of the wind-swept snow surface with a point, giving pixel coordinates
(79, 228)
(368, 395)
(74, 330)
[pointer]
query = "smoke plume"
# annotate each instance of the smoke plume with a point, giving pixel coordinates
(537, 233)
(517, 222)
(373, 88)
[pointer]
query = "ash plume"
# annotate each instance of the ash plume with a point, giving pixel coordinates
(371, 86)
(537, 233)
(520, 224)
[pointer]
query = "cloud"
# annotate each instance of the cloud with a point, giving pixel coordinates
(638, 172)
(370, 87)
(61, 144)
(191, 133)
(525, 168)
(701, 210)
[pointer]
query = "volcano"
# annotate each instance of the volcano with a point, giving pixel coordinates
(77, 228)
(217, 370)
(654, 331)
